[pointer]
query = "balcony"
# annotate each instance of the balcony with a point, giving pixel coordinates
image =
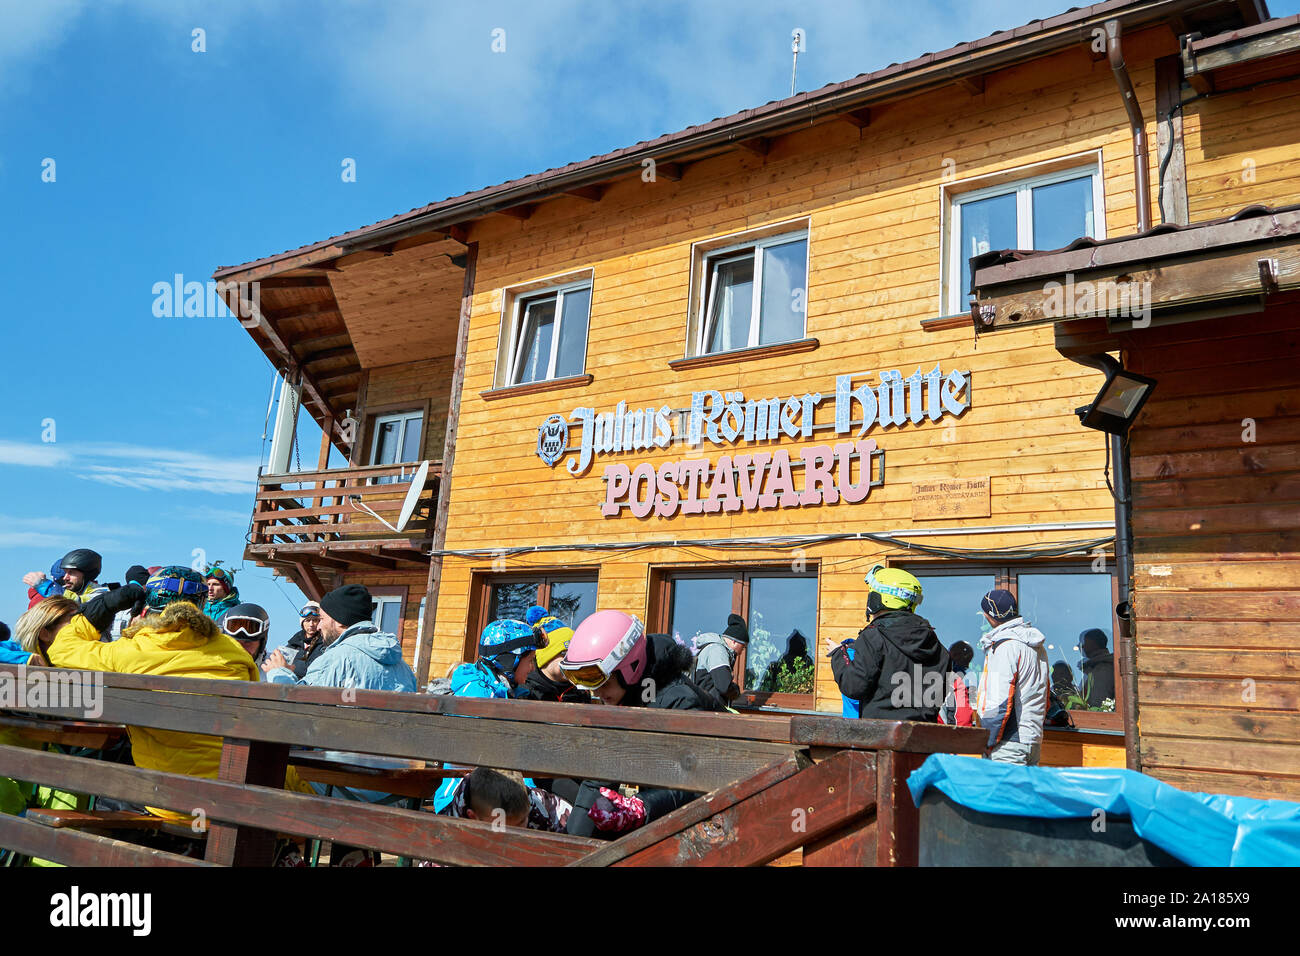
(310, 526)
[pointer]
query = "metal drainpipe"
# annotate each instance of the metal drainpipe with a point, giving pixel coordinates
(1141, 176)
(1124, 565)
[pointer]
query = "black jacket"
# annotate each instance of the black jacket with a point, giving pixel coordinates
(537, 686)
(898, 671)
(305, 654)
(1098, 678)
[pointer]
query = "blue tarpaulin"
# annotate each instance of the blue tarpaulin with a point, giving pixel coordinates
(1201, 829)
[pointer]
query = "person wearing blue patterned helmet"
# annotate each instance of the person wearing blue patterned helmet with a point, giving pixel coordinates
(174, 583)
(505, 643)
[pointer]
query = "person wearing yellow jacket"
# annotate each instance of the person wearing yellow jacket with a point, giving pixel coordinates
(174, 638)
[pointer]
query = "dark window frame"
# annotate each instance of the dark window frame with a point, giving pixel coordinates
(659, 616)
(482, 582)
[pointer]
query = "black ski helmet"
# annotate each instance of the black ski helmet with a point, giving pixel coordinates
(84, 560)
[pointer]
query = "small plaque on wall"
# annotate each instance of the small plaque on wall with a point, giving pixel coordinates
(950, 498)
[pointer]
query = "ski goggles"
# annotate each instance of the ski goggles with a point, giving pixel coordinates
(247, 628)
(586, 676)
(309, 610)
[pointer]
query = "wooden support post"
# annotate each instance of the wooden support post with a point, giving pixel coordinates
(255, 762)
(854, 845)
(1172, 188)
(444, 483)
(897, 819)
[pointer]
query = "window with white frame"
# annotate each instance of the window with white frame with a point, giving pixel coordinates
(1047, 211)
(753, 293)
(387, 615)
(396, 439)
(548, 334)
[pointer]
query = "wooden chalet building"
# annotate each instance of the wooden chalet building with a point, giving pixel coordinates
(731, 368)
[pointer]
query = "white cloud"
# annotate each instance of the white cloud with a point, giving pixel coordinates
(137, 466)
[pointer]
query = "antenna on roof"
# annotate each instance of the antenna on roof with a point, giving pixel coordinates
(798, 44)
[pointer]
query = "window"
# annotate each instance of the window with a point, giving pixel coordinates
(397, 439)
(752, 293)
(569, 596)
(548, 334)
(387, 615)
(780, 609)
(1039, 212)
(1062, 601)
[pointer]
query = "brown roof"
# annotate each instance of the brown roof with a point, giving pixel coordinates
(1002, 48)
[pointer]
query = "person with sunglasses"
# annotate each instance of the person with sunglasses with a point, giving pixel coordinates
(250, 625)
(612, 657)
(308, 643)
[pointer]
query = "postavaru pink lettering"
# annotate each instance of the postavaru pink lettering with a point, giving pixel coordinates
(741, 482)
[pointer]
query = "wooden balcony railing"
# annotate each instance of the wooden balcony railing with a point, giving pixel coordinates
(319, 506)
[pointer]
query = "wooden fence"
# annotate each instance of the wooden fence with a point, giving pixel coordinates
(833, 788)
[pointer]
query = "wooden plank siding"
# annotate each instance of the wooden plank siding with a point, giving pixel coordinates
(872, 199)
(1216, 519)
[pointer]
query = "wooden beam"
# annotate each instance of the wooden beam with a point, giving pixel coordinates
(859, 118)
(425, 650)
(758, 145)
(315, 590)
(322, 355)
(423, 239)
(694, 812)
(81, 849)
(672, 172)
(323, 459)
(308, 311)
(520, 212)
(373, 560)
(589, 193)
(974, 85)
(387, 829)
(812, 803)
(459, 233)
(291, 282)
(338, 375)
(362, 255)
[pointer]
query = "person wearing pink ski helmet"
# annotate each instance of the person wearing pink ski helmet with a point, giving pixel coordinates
(607, 644)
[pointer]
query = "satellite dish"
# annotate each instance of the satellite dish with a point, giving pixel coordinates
(413, 495)
(408, 505)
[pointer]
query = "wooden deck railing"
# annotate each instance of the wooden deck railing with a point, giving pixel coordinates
(771, 784)
(315, 506)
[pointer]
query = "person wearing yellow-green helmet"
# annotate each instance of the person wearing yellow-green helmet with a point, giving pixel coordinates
(896, 668)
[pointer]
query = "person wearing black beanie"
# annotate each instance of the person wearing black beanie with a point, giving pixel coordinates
(715, 660)
(348, 605)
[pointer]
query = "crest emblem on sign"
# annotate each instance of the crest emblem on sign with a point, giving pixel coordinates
(552, 439)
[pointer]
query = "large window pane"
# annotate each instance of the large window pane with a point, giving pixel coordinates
(785, 277)
(572, 601)
(732, 289)
(1063, 606)
(572, 356)
(782, 634)
(538, 327)
(700, 605)
(411, 439)
(387, 441)
(1062, 213)
(986, 224)
(951, 603)
(512, 600)
(389, 617)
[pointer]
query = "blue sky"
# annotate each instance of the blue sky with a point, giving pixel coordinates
(167, 161)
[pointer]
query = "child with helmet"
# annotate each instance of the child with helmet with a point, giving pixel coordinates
(613, 658)
(897, 668)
